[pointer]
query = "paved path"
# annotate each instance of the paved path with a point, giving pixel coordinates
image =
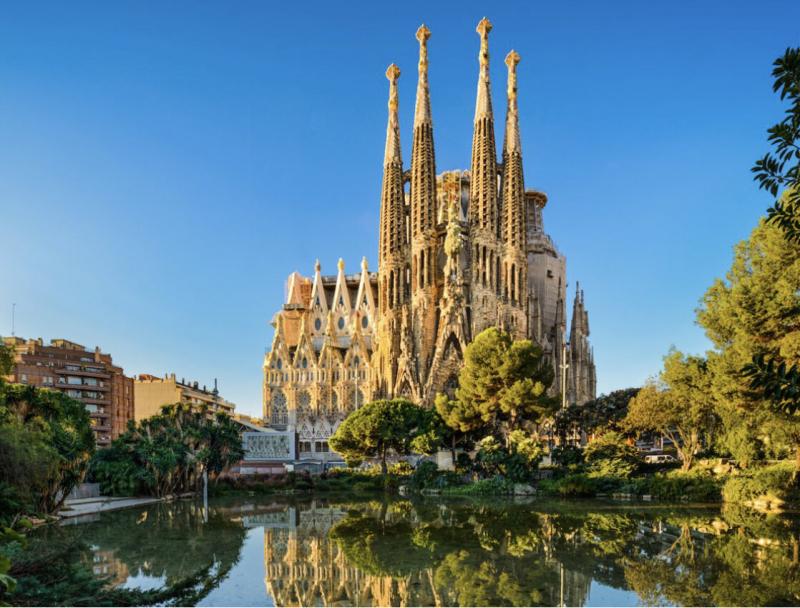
(101, 504)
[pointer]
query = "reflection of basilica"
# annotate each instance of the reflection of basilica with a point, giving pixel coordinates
(303, 567)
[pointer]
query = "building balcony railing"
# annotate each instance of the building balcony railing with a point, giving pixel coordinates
(81, 372)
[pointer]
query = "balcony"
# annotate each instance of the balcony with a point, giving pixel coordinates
(81, 372)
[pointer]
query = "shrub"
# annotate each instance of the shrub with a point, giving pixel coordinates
(610, 456)
(571, 486)
(425, 475)
(494, 486)
(566, 455)
(679, 485)
(401, 468)
(776, 483)
(463, 463)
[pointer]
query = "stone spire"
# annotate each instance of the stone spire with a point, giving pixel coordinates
(513, 181)
(392, 152)
(393, 234)
(483, 172)
(423, 164)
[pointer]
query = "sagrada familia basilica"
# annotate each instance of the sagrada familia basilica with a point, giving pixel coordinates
(458, 252)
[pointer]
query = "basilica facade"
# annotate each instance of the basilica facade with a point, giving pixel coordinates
(459, 251)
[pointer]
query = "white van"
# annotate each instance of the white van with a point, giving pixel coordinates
(660, 459)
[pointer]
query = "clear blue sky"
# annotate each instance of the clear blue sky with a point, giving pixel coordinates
(165, 165)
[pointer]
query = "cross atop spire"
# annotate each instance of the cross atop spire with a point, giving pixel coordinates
(512, 143)
(422, 111)
(484, 27)
(392, 153)
(483, 107)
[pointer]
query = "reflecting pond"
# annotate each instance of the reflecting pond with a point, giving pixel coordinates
(436, 552)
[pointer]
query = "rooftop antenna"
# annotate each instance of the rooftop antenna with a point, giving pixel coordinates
(13, 317)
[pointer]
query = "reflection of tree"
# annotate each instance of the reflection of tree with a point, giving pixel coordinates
(735, 567)
(83, 565)
(381, 548)
(169, 540)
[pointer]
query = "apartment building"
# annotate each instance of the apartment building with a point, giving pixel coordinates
(88, 376)
(152, 392)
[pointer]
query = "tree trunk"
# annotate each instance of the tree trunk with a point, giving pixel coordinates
(384, 468)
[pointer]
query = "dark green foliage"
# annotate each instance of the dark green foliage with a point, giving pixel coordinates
(566, 455)
(168, 453)
(604, 412)
(492, 486)
(577, 485)
(778, 383)
(425, 475)
(46, 442)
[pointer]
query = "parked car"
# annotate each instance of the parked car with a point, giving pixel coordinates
(660, 459)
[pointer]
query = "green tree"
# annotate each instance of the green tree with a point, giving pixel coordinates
(49, 418)
(606, 412)
(779, 173)
(611, 455)
(380, 428)
(501, 388)
(6, 361)
(679, 405)
(752, 320)
(168, 453)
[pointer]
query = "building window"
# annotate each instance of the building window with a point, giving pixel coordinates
(340, 323)
(279, 364)
(279, 411)
(23, 378)
(73, 380)
(305, 446)
(364, 322)
(304, 403)
(321, 446)
(318, 324)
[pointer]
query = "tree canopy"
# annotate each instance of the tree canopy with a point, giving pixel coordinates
(502, 386)
(168, 453)
(380, 428)
(678, 405)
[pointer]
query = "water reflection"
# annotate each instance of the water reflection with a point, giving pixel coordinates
(447, 553)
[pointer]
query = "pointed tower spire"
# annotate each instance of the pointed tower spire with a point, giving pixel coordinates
(423, 164)
(422, 112)
(483, 172)
(513, 182)
(392, 152)
(393, 234)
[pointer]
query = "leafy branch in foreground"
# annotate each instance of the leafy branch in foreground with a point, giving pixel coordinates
(779, 171)
(778, 383)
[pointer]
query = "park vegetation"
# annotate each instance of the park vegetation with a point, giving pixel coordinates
(47, 448)
(168, 454)
(738, 403)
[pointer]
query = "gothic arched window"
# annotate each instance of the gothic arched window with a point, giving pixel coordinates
(303, 404)
(278, 410)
